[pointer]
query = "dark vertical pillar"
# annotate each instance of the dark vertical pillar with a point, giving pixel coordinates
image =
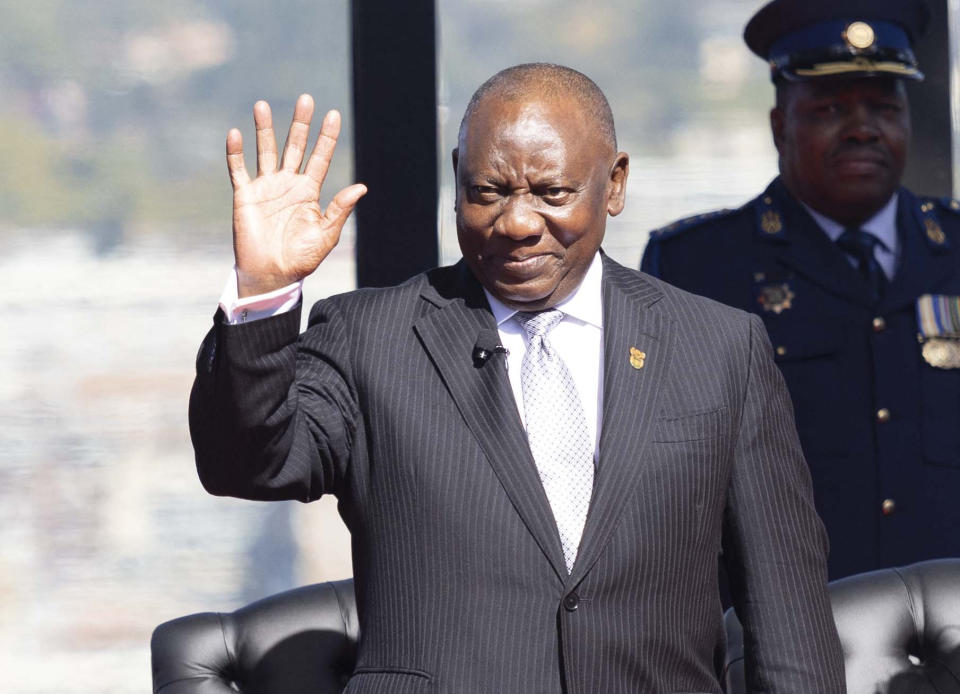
(395, 138)
(929, 168)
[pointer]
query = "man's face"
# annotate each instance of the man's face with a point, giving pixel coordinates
(535, 182)
(843, 143)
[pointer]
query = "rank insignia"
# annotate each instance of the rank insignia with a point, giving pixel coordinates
(776, 297)
(770, 222)
(938, 325)
(637, 358)
(934, 232)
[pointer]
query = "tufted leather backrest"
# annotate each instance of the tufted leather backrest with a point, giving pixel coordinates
(297, 642)
(900, 631)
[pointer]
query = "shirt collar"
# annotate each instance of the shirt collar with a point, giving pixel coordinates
(883, 224)
(585, 303)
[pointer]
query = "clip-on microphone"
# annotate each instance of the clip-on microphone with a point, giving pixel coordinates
(488, 344)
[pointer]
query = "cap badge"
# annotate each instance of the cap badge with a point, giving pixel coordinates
(859, 36)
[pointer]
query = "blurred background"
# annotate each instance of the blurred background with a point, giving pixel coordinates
(115, 243)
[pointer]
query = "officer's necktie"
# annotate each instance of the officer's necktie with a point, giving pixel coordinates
(556, 430)
(861, 244)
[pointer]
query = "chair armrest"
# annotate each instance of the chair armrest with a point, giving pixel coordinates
(899, 627)
(297, 642)
(190, 657)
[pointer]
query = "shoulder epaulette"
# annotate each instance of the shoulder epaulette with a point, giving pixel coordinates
(926, 215)
(687, 223)
(951, 204)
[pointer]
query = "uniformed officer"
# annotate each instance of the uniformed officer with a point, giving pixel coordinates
(856, 278)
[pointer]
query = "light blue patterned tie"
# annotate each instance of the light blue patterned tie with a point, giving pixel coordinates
(556, 430)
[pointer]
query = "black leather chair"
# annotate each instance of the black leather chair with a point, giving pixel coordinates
(297, 642)
(900, 631)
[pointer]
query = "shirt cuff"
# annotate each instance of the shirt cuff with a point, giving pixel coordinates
(251, 308)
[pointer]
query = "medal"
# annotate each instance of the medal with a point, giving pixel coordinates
(776, 297)
(941, 353)
(938, 325)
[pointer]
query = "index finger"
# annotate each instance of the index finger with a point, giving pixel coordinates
(266, 140)
(319, 161)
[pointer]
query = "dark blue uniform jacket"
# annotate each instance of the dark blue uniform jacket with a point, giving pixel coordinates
(880, 427)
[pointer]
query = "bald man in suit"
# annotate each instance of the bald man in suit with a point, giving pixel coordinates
(503, 541)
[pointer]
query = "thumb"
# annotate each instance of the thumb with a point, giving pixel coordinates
(342, 204)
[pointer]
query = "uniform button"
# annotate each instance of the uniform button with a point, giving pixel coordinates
(888, 507)
(883, 415)
(781, 351)
(571, 602)
(879, 324)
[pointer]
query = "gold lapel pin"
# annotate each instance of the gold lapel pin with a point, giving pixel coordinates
(637, 358)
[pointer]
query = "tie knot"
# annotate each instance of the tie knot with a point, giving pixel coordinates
(540, 323)
(857, 242)
(859, 245)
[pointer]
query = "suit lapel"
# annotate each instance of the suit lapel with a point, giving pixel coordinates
(485, 400)
(630, 400)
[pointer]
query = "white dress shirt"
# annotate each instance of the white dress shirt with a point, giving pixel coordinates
(883, 225)
(250, 308)
(578, 338)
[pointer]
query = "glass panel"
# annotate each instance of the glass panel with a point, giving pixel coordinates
(953, 15)
(689, 99)
(115, 243)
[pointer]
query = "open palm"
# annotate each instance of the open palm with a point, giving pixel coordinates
(280, 233)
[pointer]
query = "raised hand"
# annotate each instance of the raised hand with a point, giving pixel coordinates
(280, 233)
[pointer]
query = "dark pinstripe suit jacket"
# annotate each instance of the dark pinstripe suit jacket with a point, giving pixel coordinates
(460, 577)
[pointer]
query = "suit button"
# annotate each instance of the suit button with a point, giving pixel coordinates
(888, 507)
(879, 324)
(571, 601)
(883, 415)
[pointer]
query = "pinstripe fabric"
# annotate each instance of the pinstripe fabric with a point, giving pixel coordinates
(461, 582)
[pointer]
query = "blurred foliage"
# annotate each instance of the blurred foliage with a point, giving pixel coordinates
(644, 54)
(114, 113)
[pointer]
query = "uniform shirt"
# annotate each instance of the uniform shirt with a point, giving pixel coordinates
(578, 339)
(883, 225)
